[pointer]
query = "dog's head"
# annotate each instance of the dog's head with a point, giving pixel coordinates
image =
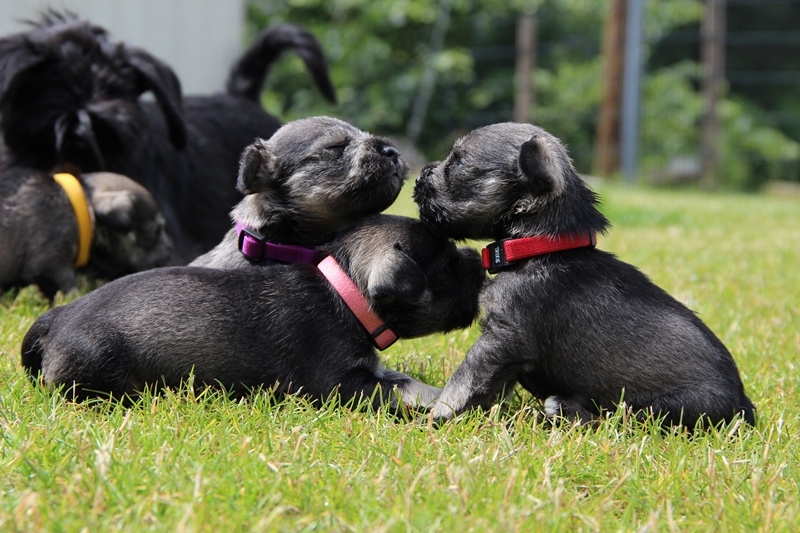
(506, 180)
(315, 176)
(416, 280)
(130, 231)
(68, 94)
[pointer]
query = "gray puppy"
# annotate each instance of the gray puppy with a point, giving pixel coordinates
(39, 234)
(572, 324)
(311, 179)
(283, 327)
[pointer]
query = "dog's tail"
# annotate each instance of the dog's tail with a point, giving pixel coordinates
(248, 73)
(33, 344)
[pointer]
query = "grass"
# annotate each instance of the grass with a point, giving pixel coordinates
(199, 462)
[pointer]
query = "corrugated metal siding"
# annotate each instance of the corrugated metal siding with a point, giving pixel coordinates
(199, 39)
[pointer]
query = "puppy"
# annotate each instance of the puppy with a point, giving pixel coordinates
(572, 324)
(39, 233)
(70, 95)
(283, 327)
(312, 178)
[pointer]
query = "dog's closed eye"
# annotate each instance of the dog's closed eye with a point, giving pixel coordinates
(337, 149)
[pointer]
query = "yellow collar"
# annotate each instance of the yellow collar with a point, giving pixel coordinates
(83, 214)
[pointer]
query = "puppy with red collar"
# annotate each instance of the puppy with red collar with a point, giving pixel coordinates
(572, 324)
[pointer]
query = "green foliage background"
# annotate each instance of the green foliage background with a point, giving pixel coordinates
(378, 52)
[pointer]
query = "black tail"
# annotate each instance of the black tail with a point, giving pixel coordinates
(34, 343)
(248, 74)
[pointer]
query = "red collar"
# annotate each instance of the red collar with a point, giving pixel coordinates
(379, 333)
(501, 254)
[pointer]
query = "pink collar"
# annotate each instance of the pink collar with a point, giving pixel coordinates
(256, 247)
(379, 333)
(500, 254)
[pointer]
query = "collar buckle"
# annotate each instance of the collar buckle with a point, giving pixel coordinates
(494, 256)
(255, 247)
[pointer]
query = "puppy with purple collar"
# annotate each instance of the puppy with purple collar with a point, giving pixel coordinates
(311, 179)
(572, 324)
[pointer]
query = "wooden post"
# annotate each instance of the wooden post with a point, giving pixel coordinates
(607, 139)
(524, 93)
(712, 57)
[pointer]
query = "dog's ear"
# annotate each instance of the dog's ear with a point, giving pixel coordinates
(116, 209)
(118, 201)
(396, 275)
(158, 78)
(17, 58)
(256, 168)
(540, 166)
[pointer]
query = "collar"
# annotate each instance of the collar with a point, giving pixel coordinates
(503, 253)
(255, 247)
(379, 333)
(83, 214)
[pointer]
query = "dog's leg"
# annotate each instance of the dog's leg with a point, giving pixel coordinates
(56, 279)
(412, 393)
(390, 388)
(568, 409)
(477, 382)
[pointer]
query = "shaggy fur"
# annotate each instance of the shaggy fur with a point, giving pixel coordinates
(69, 94)
(311, 179)
(39, 235)
(283, 327)
(578, 328)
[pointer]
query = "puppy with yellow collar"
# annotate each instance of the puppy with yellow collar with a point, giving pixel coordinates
(53, 224)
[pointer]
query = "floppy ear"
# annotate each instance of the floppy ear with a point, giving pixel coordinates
(539, 165)
(256, 168)
(116, 209)
(16, 60)
(395, 274)
(158, 78)
(118, 201)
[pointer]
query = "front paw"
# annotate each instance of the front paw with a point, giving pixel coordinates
(441, 412)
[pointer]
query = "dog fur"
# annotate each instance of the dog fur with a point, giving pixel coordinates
(311, 179)
(39, 235)
(578, 328)
(70, 95)
(282, 327)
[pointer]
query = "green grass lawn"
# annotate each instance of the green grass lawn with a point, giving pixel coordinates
(200, 462)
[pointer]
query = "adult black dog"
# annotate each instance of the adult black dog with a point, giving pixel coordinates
(70, 95)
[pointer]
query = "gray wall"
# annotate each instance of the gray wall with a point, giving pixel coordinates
(199, 39)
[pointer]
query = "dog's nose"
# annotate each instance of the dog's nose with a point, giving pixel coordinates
(389, 151)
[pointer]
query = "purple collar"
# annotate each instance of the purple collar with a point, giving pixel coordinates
(255, 247)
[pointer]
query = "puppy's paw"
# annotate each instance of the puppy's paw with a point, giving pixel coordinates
(559, 409)
(441, 412)
(552, 406)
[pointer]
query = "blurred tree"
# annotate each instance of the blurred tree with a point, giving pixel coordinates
(379, 51)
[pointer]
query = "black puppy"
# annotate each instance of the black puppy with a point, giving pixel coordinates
(311, 179)
(284, 326)
(43, 242)
(572, 324)
(68, 94)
